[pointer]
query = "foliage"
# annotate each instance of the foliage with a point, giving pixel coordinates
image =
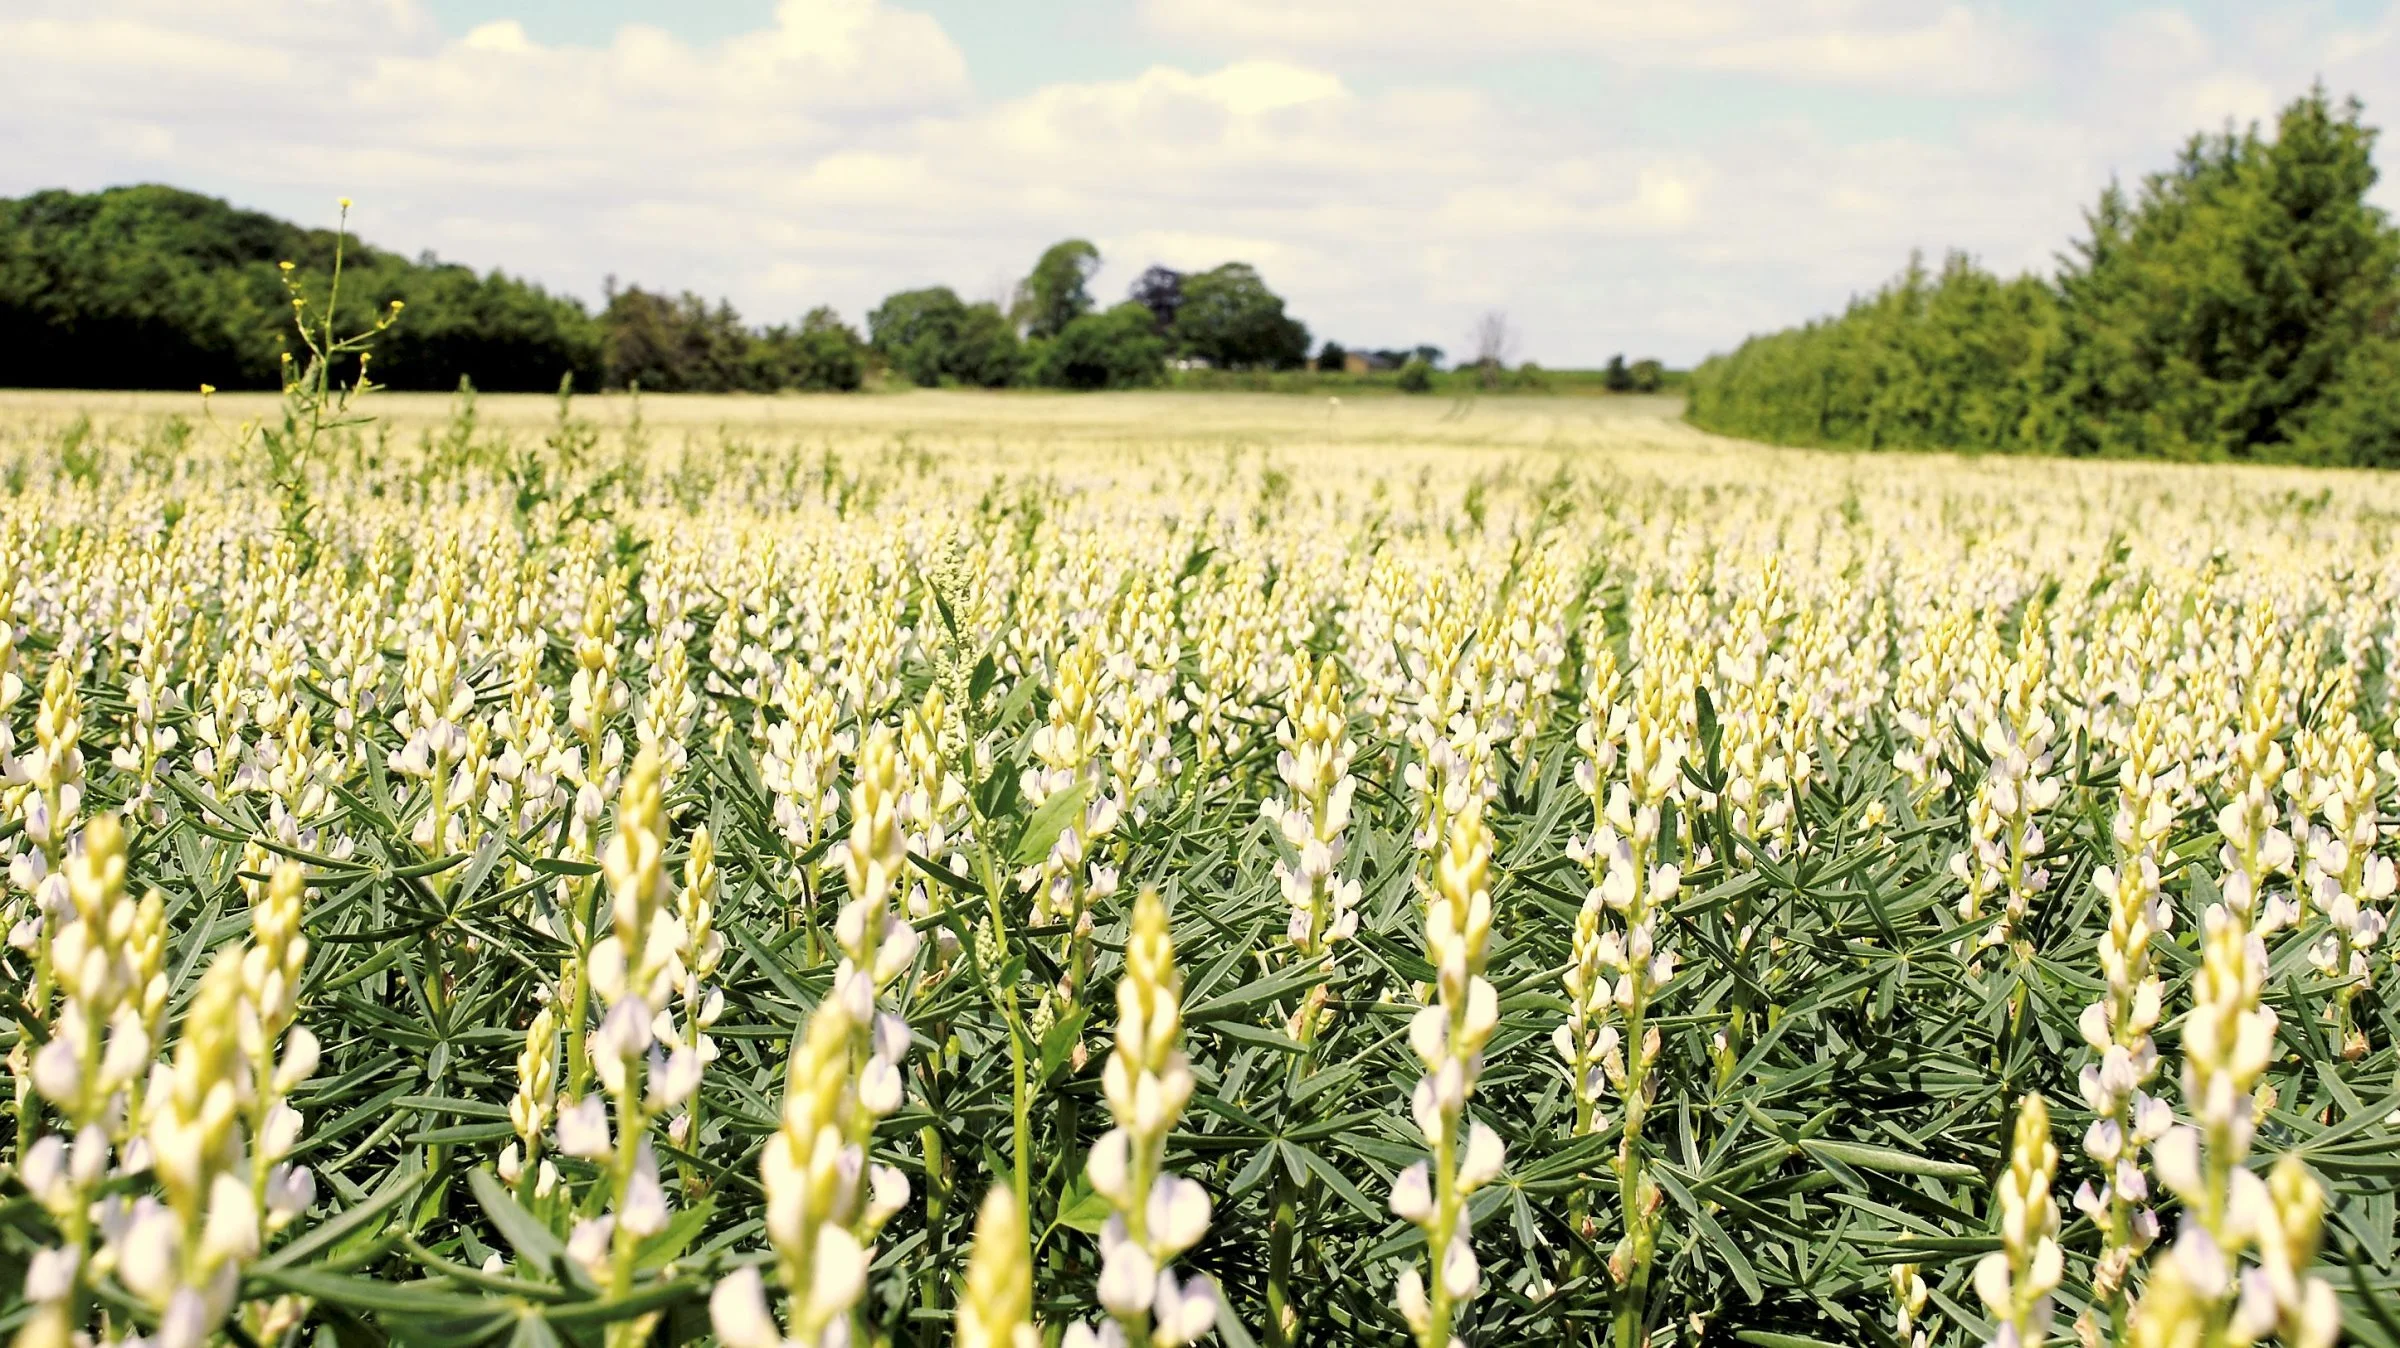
(1160, 290)
(1120, 348)
(1230, 319)
(824, 354)
(155, 287)
(2211, 316)
(1053, 294)
(985, 352)
(1466, 382)
(1642, 376)
(672, 345)
(1958, 360)
(2245, 304)
(932, 337)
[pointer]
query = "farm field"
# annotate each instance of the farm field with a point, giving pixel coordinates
(1124, 869)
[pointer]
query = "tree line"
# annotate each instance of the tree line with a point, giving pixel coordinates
(1053, 333)
(2244, 304)
(152, 286)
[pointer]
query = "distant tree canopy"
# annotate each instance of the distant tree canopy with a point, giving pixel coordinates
(931, 336)
(1230, 319)
(1053, 294)
(823, 353)
(2244, 304)
(1225, 316)
(153, 287)
(680, 345)
(1642, 376)
(1160, 290)
(1120, 348)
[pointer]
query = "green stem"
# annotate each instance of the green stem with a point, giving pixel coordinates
(1021, 1106)
(1283, 1309)
(624, 1244)
(1627, 1331)
(1005, 999)
(1283, 1316)
(1445, 1226)
(579, 995)
(937, 1206)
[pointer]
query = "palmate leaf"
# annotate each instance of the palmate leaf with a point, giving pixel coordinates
(1885, 1159)
(1050, 819)
(536, 1245)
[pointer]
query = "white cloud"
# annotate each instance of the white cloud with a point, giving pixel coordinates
(1960, 51)
(1865, 43)
(841, 153)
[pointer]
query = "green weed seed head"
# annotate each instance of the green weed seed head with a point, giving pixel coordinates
(697, 906)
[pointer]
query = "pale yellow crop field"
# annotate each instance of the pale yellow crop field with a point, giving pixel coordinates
(995, 869)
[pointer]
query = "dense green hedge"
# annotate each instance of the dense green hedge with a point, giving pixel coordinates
(160, 288)
(154, 287)
(2243, 305)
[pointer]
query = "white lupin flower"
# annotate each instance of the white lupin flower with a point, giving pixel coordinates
(1448, 1035)
(2228, 1040)
(1158, 1214)
(997, 1308)
(825, 1200)
(2016, 1280)
(1315, 766)
(583, 1129)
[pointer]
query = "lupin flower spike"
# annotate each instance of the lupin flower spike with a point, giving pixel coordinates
(2016, 1280)
(997, 1310)
(1157, 1214)
(1448, 1034)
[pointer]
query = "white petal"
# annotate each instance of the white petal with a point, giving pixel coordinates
(1128, 1280)
(1412, 1194)
(1485, 1156)
(738, 1310)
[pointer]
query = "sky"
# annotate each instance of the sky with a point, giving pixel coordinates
(1614, 175)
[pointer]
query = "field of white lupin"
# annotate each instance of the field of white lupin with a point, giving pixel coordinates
(1124, 872)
